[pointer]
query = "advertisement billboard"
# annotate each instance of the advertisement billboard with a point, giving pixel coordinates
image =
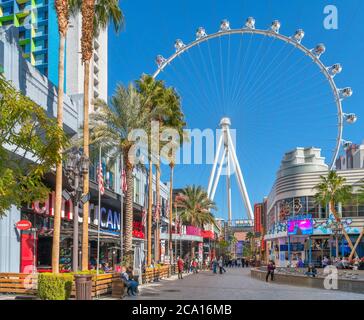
(299, 226)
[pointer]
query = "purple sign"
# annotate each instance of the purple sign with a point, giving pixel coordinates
(193, 231)
(300, 227)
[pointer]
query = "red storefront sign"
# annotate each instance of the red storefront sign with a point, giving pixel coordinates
(46, 207)
(138, 230)
(23, 225)
(207, 234)
(193, 231)
(258, 210)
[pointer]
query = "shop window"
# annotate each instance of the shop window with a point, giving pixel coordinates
(350, 209)
(136, 190)
(312, 207)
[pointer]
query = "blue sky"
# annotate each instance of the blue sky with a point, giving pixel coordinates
(276, 97)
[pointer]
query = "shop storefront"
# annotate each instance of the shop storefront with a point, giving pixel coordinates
(308, 239)
(36, 243)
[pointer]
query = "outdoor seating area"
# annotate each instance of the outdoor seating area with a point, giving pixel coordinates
(107, 283)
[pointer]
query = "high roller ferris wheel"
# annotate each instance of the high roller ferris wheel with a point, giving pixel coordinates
(228, 149)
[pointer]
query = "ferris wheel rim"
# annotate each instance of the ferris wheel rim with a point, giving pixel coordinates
(290, 40)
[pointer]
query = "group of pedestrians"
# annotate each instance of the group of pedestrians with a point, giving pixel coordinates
(218, 264)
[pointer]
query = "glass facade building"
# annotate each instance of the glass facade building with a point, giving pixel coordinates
(36, 21)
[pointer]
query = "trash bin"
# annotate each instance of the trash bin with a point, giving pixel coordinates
(83, 286)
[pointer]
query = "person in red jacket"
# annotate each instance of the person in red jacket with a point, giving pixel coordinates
(180, 264)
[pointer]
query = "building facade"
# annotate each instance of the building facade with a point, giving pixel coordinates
(39, 42)
(38, 32)
(296, 226)
(22, 250)
(98, 65)
(353, 158)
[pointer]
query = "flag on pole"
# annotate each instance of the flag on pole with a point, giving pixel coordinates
(100, 179)
(124, 186)
(144, 218)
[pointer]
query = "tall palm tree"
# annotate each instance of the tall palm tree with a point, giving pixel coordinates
(96, 15)
(332, 190)
(152, 100)
(62, 10)
(250, 236)
(361, 200)
(194, 208)
(174, 118)
(110, 125)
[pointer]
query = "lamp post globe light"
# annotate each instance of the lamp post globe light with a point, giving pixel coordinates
(76, 166)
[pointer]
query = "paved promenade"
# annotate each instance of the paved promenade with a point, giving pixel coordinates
(236, 284)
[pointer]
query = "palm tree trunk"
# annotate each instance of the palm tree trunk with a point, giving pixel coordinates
(170, 243)
(334, 212)
(58, 201)
(87, 154)
(157, 214)
(192, 249)
(150, 213)
(353, 251)
(129, 209)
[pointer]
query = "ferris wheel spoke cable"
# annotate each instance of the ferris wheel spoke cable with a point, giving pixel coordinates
(228, 72)
(247, 76)
(210, 81)
(281, 98)
(269, 76)
(213, 72)
(259, 67)
(241, 70)
(190, 92)
(202, 85)
(277, 82)
(222, 78)
(258, 87)
(235, 69)
(279, 93)
(190, 76)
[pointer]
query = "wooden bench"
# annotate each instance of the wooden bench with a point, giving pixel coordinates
(118, 289)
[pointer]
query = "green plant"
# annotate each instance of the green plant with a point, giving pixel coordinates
(54, 286)
(89, 272)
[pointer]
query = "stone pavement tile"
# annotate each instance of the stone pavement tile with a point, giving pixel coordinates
(236, 284)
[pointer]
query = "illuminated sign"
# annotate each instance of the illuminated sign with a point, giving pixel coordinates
(300, 225)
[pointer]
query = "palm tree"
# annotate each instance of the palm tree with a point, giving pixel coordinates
(110, 126)
(330, 191)
(62, 10)
(194, 208)
(174, 119)
(361, 200)
(250, 236)
(96, 15)
(152, 100)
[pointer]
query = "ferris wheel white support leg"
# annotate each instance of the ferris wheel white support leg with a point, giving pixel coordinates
(228, 184)
(240, 178)
(218, 176)
(214, 166)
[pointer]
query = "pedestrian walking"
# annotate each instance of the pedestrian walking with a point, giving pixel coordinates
(221, 266)
(214, 265)
(270, 271)
(180, 264)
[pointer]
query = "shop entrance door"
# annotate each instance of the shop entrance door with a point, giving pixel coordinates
(28, 251)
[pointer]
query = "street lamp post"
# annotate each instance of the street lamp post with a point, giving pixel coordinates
(77, 165)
